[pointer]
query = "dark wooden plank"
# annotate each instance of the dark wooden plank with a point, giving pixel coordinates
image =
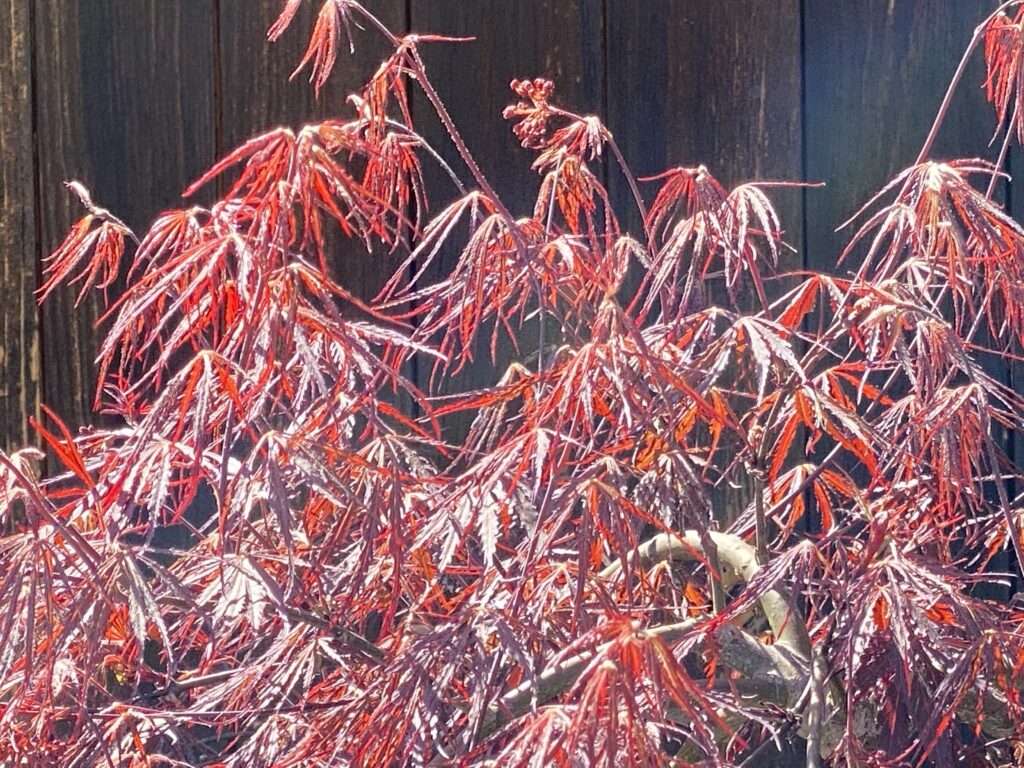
(558, 39)
(876, 72)
(258, 94)
(714, 83)
(125, 94)
(19, 332)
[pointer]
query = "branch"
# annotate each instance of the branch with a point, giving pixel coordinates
(353, 640)
(557, 680)
(979, 35)
(771, 668)
(739, 565)
(824, 723)
(354, 643)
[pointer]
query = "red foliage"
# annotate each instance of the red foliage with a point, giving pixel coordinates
(562, 587)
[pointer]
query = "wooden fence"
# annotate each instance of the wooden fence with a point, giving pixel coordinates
(136, 97)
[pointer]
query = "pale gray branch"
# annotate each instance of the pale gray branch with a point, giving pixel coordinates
(558, 679)
(738, 561)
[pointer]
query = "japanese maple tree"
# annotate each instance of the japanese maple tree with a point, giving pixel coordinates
(563, 586)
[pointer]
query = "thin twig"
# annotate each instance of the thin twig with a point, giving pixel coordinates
(979, 34)
(997, 169)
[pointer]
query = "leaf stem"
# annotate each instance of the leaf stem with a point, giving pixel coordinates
(979, 33)
(760, 522)
(997, 170)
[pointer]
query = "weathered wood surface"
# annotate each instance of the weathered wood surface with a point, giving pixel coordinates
(19, 327)
(125, 103)
(875, 74)
(706, 82)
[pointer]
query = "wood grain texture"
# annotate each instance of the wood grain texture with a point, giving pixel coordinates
(125, 94)
(876, 72)
(258, 94)
(712, 82)
(558, 39)
(19, 331)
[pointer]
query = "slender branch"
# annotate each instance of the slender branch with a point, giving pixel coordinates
(633, 188)
(714, 571)
(979, 34)
(760, 520)
(815, 716)
(557, 680)
(187, 684)
(739, 565)
(453, 132)
(1004, 501)
(355, 642)
(997, 170)
(606, 134)
(754, 758)
(419, 71)
(430, 151)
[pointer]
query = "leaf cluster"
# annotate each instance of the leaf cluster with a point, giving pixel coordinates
(280, 555)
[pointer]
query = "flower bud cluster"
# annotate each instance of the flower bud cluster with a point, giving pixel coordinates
(533, 109)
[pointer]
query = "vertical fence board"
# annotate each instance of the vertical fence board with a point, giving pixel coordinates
(876, 72)
(19, 332)
(709, 82)
(125, 96)
(558, 39)
(714, 83)
(258, 94)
